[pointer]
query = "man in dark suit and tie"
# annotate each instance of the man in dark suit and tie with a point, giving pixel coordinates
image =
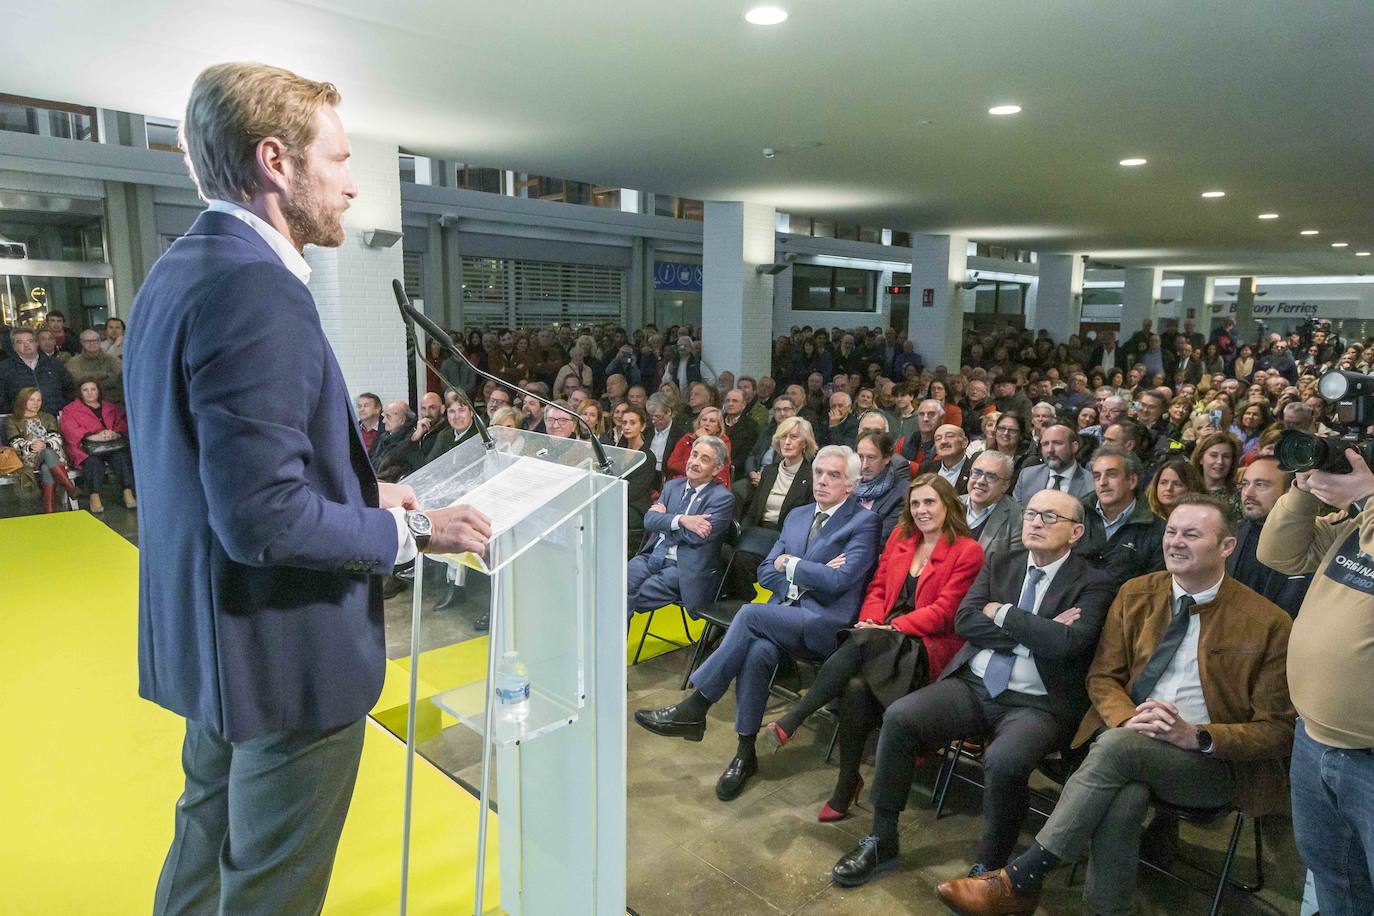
(263, 532)
(1060, 471)
(951, 458)
(817, 572)
(1032, 620)
(680, 562)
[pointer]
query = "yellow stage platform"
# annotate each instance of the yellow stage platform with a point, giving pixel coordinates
(90, 772)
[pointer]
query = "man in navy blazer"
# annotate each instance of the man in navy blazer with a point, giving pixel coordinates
(817, 572)
(262, 529)
(680, 562)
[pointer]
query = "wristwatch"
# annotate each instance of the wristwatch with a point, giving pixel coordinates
(1204, 741)
(420, 528)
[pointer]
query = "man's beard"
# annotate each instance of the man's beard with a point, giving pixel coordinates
(310, 221)
(1057, 464)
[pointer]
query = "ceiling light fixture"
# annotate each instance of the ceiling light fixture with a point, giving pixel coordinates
(766, 15)
(1004, 110)
(1340, 244)
(1268, 216)
(1309, 232)
(1361, 254)
(1134, 161)
(1213, 194)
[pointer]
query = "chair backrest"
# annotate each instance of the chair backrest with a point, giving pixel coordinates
(757, 540)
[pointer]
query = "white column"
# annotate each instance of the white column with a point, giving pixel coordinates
(1198, 293)
(737, 300)
(1140, 299)
(352, 283)
(1059, 295)
(938, 264)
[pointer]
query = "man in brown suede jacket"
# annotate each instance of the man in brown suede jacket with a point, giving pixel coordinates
(1190, 706)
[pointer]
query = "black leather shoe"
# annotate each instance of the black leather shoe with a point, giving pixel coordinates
(862, 864)
(393, 586)
(731, 782)
(1159, 841)
(668, 723)
(482, 624)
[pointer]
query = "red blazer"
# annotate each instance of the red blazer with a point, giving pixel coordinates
(675, 465)
(948, 574)
(78, 422)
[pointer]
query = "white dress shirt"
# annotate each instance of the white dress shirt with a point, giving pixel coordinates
(1025, 677)
(1181, 684)
(951, 475)
(658, 444)
(291, 259)
(790, 567)
(973, 517)
(676, 523)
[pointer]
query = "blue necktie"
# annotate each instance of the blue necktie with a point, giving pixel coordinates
(998, 673)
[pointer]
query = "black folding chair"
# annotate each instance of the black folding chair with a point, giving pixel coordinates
(1223, 878)
(731, 537)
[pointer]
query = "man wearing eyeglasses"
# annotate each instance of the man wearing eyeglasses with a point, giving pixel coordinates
(993, 516)
(559, 421)
(1031, 621)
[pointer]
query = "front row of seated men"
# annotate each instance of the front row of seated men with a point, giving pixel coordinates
(1174, 682)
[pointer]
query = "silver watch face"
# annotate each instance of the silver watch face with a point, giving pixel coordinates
(419, 523)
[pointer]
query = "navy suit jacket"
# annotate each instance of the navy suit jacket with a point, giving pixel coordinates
(698, 558)
(259, 532)
(830, 598)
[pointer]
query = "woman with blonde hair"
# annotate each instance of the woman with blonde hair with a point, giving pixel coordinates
(710, 422)
(507, 416)
(1217, 458)
(905, 634)
(36, 438)
(590, 410)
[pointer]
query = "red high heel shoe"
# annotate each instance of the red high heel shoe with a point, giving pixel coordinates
(829, 815)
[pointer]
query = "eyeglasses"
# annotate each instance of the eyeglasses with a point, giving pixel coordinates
(989, 476)
(1047, 518)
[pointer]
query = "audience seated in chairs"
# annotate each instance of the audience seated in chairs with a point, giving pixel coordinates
(643, 481)
(783, 486)
(681, 563)
(507, 416)
(1166, 723)
(27, 367)
(881, 490)
(905, 629)
(764, 453)
(709, 422)
(96, 436)
(458, 429)
(1059, 469)
(35, 436)
(94, 363)
(951, 459)
(817, 572)
(993, 517)
(1031, 622)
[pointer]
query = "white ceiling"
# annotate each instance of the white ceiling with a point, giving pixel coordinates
(1272, 102)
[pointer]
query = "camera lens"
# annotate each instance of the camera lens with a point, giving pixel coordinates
(1300, 451)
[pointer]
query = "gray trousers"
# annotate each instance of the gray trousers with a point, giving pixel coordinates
(259, 821)
(1104, 804)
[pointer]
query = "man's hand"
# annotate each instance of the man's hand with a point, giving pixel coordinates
(780, 564)
(872, 625)
(458, 529)
(700, 525)
(421, 428)
(991, 608)
(396, 496)
(755, 477)
(1339, 490)
(1070, 617)
(837, 562)
(658, 507)
(1158, 719)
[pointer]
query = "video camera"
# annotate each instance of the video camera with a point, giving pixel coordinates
(1353, 395)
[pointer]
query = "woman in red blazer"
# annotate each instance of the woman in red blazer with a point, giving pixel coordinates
(710, 422)
(92, 419)
(905, 634)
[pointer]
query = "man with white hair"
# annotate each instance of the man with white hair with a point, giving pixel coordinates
(951, 458)
(817, 571)
(993, 517)
(1111, 410)
(687, 366)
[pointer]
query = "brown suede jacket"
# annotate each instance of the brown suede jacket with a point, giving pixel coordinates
(1242, 663)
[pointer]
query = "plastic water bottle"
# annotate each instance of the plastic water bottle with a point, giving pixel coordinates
(512, 690)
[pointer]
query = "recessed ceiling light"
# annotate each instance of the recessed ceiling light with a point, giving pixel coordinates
(1309, 232)
(1004, 110)
(1134, 161)
(1213, 193)
(766, 15)
(1361, 254)
(1268, 216)
(1340, 244)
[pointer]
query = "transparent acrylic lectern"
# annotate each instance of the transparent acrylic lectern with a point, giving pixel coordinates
(557, 596)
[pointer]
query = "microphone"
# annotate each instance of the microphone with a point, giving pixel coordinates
(447, 345)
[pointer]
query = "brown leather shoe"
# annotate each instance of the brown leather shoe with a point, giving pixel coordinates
(986, 895)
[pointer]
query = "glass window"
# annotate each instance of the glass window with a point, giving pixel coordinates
(49, 119)
(833, 289)
(52, 236)
(162, 135)
(26, 299)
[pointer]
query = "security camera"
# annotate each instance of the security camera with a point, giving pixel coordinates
(768, 152)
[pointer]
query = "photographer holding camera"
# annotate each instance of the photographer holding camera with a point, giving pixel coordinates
(1331, 675)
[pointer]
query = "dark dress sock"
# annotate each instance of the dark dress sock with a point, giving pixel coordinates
(885, 829)
(1029, 870)
(694, 707)
(745, 751)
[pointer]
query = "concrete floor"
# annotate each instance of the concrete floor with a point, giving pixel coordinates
(765, 852)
